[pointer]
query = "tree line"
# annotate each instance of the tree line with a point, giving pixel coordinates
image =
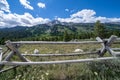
(98, 30)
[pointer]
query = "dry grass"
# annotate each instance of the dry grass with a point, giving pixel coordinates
(76, 71)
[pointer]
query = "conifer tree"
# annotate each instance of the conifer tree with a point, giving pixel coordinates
(99, 30)
(66, 36)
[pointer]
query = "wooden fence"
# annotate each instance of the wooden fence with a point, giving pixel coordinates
(12, 47)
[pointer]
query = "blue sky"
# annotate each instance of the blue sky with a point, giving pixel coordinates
(33, 12)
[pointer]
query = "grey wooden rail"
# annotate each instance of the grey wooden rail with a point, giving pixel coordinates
(57, 62)
(1, 53)
(59, 42)
(13, 48)
(8, 69)
(66, 54)
(50, 42)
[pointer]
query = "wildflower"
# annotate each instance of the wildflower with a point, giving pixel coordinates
(96, 73)
(42, 77)
(47, 73)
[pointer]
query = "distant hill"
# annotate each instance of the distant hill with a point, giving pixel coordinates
(54, 28)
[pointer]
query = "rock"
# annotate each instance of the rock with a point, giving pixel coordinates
(26, 52)
(36, 51)
(78, 50)
(57, 51)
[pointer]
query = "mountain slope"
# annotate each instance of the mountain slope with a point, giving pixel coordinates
(53, 29)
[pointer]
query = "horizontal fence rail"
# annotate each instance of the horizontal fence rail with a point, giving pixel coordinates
(13, 49)
(66, 54)
(8, 69)
(51, 42)
(118, 39)
(116, 49)
(57, 62)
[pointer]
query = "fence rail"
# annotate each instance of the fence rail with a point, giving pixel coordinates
(51, 42)
(60, 42)
(66, 54)
(57, 62)
(13, 48)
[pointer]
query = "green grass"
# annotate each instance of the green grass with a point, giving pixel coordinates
(105, 70)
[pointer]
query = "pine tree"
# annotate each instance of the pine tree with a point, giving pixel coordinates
(99, 30)
(66, 36)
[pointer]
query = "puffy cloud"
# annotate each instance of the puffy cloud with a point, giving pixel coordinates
(41, 5)
(87, 16)
(74, 20)
(85, 13)
(4, 6)
(83, 16)
(67, 10)
(26, 4)
(11, 20)
(114, 19)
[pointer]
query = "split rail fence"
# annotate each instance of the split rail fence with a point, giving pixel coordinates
(5, 59)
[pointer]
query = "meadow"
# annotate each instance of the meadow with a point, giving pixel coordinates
(97, 70)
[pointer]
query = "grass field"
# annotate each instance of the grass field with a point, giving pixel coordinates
(105, 70)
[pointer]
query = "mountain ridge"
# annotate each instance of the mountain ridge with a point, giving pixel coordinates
(54, 22)
(54, 29)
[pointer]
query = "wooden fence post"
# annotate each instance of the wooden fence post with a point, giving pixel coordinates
(106, 45)
(1, 53)
(15, 51)
(103, 50)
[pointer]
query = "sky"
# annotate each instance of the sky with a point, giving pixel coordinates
(33, 12)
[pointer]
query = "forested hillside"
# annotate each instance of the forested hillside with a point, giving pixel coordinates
(56, 31)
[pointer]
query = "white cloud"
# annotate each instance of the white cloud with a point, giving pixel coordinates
(41, 5)
(87, 16)
(4, 6)
(67, 10)
(11, 20)
(26, 4)
(86, 13)
(72, 11)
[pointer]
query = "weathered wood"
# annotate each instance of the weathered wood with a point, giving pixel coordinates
(111, 40)
(116, 49)
(0, 49)
(103, 50)
(15, 50)
(58, 42)
(9, 56)
(113, 52)
(118, 39)
(5, 51)
(50, 42)
(66, 54)
(8, 69)
(57, 62)
(1, 56)
(1, 53)
(13, 46)
(106, 45)
(110, 50)
(7, 59)
(117, 54)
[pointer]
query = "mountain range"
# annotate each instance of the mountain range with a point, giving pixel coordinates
(53, 28)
